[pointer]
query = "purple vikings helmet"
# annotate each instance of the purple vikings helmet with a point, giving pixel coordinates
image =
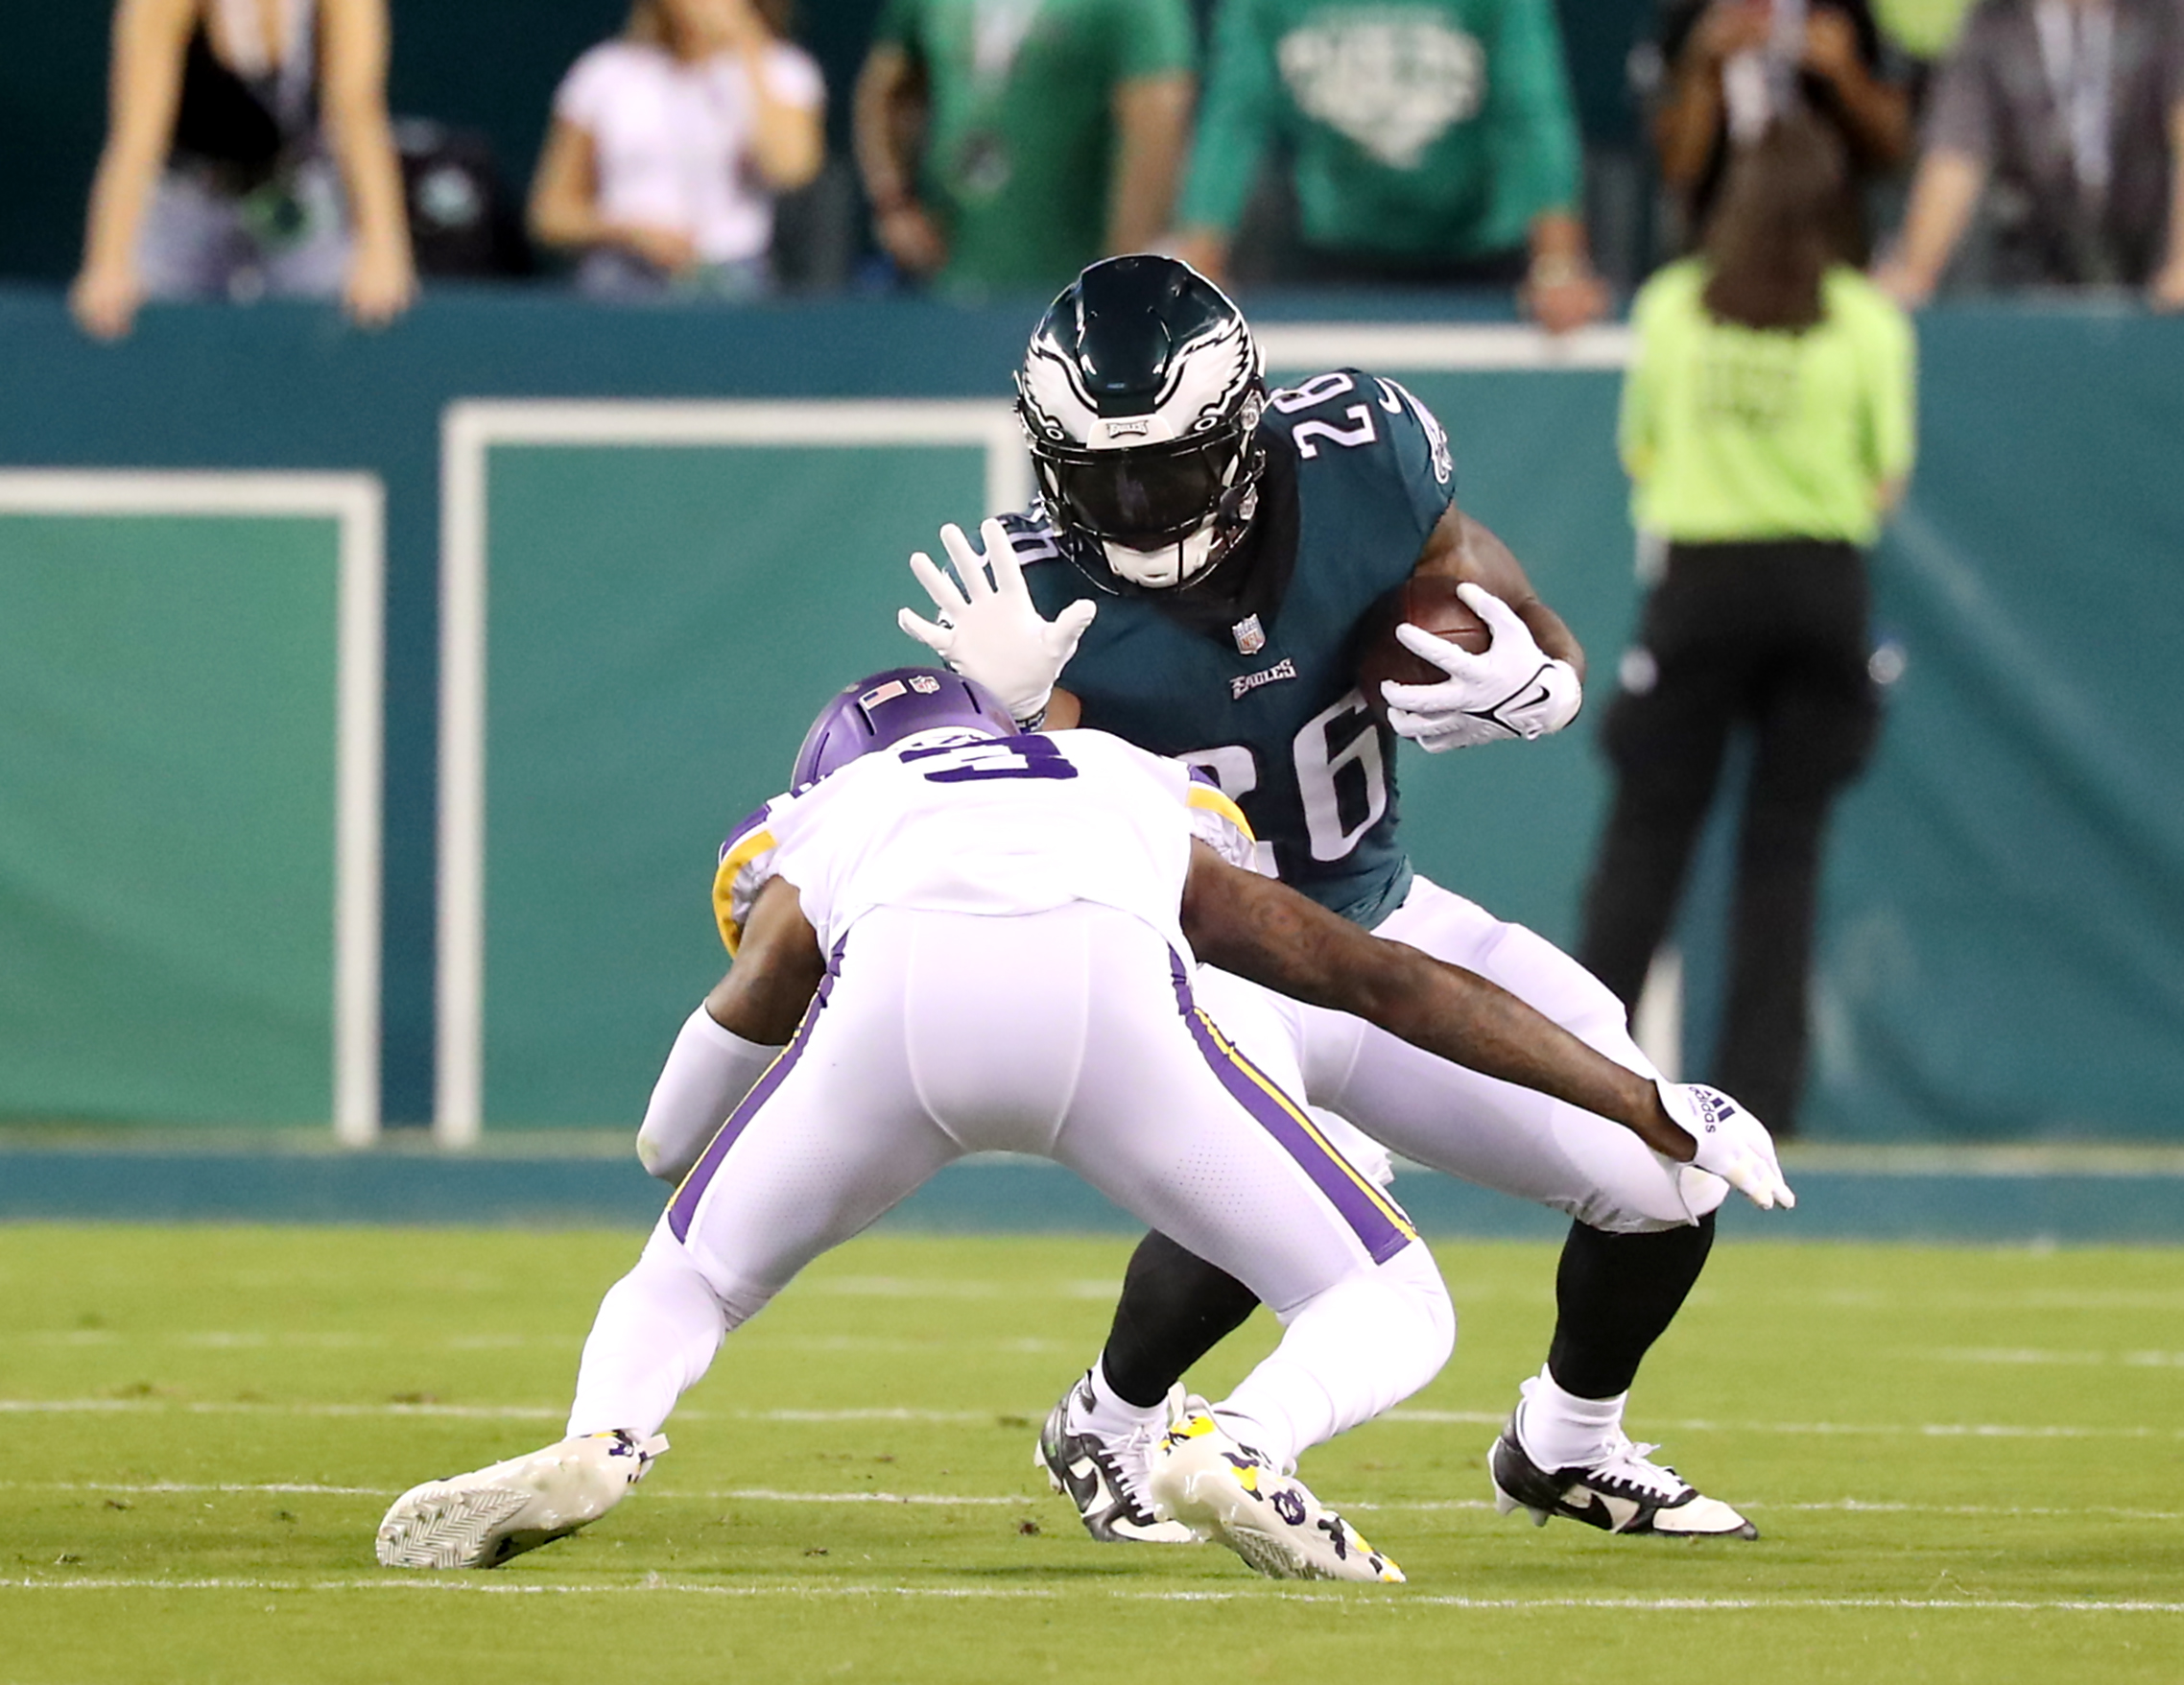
(878, 712)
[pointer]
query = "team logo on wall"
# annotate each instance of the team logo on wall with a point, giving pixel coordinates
(1394, 78)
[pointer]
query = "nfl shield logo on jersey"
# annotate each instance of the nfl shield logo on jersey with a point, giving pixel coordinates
(1250, 638)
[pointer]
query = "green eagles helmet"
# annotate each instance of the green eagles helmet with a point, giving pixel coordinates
(1140, 395)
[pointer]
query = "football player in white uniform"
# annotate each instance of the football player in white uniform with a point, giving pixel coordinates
(936, 888)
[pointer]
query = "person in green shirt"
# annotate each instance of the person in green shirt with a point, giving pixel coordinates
(1006, 144)
(1428, 141)
(1768, 427)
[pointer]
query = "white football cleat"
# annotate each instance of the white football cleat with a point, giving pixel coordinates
(1232, 1495)
(1105, 1476)
(1623, 1492)
(480, 1520)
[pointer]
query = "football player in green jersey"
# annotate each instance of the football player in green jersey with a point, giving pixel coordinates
(1197, 570)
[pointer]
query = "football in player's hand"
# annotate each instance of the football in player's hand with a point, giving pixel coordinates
(1429, 602)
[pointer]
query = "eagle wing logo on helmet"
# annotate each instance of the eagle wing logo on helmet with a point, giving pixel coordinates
(1207, 379)
(1215, 369)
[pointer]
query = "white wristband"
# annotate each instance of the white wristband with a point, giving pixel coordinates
(708, 1071)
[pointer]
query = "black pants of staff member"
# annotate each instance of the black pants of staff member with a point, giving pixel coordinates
(1770, 637)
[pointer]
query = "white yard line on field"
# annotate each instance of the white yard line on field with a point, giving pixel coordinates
(2134, 1359)
(475, 1412)
(1824, 1430)
(1011, 1417)
(223, 1339)
(653, 1584)
(655, 1492)
(733, 1494)
(157, 1488)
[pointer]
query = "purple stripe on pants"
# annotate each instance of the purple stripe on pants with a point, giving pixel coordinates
(1369, 1215)
(683, 1207)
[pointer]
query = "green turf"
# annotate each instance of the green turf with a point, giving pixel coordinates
(1965, 1464)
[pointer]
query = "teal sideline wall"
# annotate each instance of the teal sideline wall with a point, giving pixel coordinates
(2003, 954)
(167, 731)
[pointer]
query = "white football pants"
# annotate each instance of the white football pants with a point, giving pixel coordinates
(1072, 1035)
(1494, 1133)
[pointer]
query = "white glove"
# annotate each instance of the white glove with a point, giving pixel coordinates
(1512, 690)
(990, 632)
(1732, 1144)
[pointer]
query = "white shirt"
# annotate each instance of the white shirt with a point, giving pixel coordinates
(996, 827)
(669, 138)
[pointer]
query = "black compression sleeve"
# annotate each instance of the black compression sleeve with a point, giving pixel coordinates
(1176, 1307)
(1616, 1294)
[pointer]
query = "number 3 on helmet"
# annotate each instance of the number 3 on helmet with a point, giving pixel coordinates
(1140, 395)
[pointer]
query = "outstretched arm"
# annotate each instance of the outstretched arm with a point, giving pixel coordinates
(726, 1045)
(887, 121)
(1944, 193)
(381, 275)
(1267, 932)
(1264, 930)
(150, 39)
(1152, 128)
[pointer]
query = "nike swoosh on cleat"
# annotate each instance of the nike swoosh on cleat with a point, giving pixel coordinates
(1087, 1488)
(1609, 1513)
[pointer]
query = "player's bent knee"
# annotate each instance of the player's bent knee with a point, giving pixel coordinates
(737, 1292)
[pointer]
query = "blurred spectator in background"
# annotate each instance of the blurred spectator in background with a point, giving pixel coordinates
(1428, 142)
(2074, 111)
(464, 222)
(1735, 64)
(1768, 427)
(1006, 144)
(669, 144)
(248, 152)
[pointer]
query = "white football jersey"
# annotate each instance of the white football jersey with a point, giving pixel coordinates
(996, 826)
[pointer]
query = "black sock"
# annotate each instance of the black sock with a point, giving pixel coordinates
(1616, 1294)
(1176, 1307)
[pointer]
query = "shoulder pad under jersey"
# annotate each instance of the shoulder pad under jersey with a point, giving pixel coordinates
(1372, 428)
(745, 867)
(1220, 823)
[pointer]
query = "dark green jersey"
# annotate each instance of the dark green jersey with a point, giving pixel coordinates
(1358, 474)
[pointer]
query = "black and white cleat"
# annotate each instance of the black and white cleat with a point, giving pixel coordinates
(1624, 1492)
(1105, 1477)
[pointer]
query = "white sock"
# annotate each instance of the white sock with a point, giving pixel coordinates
(1112, 1415)
(656, 1335)
(1361, 1348)
(1559, 1429)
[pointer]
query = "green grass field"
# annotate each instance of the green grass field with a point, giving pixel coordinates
(1965, 1465)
